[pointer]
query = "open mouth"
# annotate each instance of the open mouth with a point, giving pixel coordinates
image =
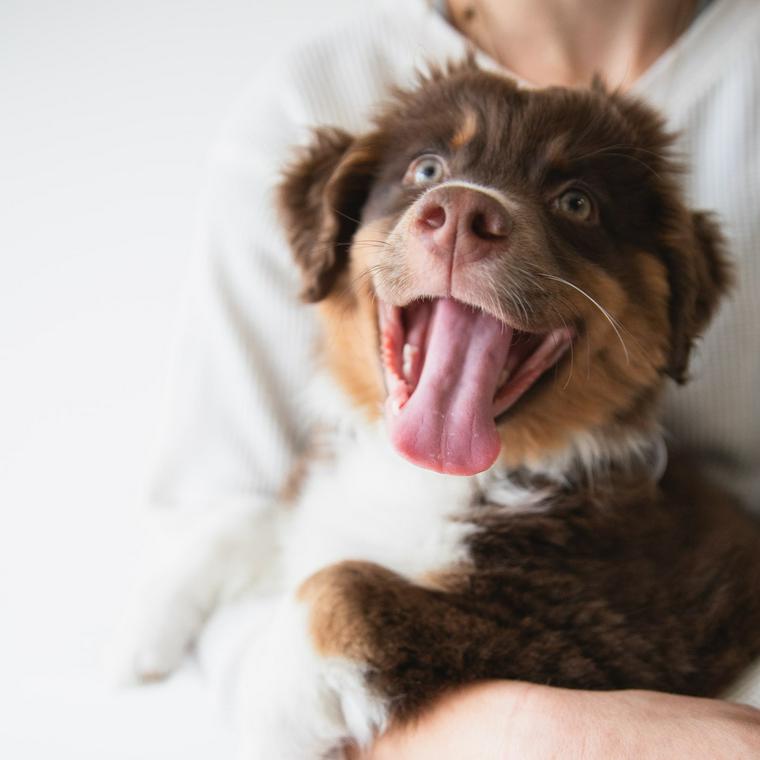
(450, 371)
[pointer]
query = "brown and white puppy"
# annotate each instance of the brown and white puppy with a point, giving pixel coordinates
(507, 279)
(556, 216)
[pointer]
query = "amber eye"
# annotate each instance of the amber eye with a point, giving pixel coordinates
(425, 170)
(576, 204)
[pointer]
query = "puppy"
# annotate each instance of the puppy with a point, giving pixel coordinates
(506, 279)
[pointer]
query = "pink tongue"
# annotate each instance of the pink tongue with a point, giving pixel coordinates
(447, 424)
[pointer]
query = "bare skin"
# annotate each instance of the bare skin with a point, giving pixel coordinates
(514, 721)
(566, 42)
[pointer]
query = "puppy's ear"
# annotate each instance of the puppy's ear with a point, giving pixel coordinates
(700, 274)
(320, 200)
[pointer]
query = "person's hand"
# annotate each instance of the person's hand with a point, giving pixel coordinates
(517, 721)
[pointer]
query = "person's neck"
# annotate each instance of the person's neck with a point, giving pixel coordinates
(567, 42)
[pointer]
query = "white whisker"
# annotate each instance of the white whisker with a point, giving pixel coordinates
(605, 313)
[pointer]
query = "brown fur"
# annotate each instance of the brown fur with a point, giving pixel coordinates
(624, 582)
(350, 345)
(642, 592)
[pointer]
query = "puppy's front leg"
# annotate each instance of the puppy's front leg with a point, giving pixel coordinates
(356, 648)
(196, 563)
(298, 702)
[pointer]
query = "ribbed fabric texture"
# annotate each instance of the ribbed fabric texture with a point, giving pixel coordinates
(235, 414)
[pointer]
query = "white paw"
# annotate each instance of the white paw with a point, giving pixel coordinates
(153, 639)
(294, 704)
(197, 562)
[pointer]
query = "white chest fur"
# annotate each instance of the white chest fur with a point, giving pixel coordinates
(370, 504)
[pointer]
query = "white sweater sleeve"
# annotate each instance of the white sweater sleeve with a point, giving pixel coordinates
(232, 417)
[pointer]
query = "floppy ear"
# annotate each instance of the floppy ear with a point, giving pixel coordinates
(700, 274)
(320, 199)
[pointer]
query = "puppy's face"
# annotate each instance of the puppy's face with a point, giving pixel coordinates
(502, 271)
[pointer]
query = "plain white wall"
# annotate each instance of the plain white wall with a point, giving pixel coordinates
(107, 110)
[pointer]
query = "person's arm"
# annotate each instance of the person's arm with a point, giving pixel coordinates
(233, 421)
(232, 424)
(518, 721)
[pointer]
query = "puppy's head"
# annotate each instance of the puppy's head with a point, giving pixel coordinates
(502, 270)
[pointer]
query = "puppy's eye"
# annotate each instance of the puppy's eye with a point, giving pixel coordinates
(425, 170)
(576, 204)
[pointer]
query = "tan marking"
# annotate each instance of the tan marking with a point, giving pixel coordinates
(316, 450)
(467, 130)
(349, 314)
(451, 580)
(294, 482)
(336, 596)
(653, 272)
(349, 604)
(556, 151)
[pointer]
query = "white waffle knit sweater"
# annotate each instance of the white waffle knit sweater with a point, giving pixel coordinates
(234, 422)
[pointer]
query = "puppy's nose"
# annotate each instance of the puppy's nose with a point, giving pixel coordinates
(462, 223)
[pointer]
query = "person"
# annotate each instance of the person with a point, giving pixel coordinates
(234, 429)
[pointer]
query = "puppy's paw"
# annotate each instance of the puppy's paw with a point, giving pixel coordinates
(196, 563)
(296, 704)
(153, 639)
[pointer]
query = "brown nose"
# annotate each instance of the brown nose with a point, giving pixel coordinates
(462, 223)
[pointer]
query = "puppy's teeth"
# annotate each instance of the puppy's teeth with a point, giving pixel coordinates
(409, 355)
(503, 377)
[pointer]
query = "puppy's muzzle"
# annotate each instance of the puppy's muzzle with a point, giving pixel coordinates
(460, 225)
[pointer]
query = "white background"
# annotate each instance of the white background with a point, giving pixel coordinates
(107, 111)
